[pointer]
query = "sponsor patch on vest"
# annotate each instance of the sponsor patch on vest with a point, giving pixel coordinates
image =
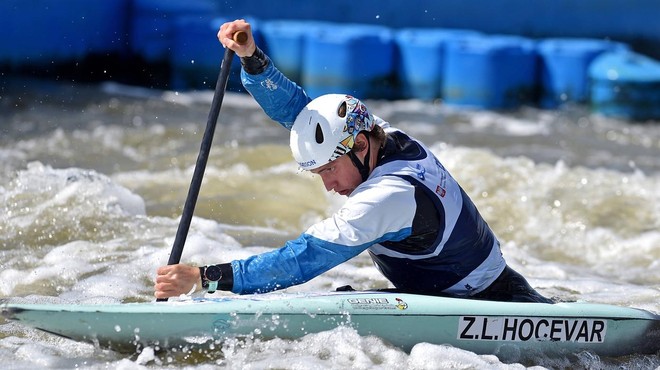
(522, 329)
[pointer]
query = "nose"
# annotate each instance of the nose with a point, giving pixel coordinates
(328, 182)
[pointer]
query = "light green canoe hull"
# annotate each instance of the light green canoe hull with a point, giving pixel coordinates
(501, 328)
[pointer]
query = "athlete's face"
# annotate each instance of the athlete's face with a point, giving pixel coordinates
(340, 175)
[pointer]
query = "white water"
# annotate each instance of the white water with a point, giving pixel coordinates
(93, 178)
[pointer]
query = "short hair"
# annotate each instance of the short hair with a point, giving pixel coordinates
(377, 133)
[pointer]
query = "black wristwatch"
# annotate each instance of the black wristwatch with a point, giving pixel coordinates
(210, 277)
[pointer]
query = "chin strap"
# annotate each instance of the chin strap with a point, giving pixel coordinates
(363, 168)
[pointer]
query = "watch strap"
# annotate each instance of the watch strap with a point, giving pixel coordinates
(202, 274)
(225, 283)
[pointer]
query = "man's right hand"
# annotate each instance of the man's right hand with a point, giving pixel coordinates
(226, 37)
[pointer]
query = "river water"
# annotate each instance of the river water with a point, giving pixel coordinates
(93, 179)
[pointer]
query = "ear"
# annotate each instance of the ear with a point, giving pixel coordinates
(361, 143)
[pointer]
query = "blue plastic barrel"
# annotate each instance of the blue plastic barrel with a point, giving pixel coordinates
(153, 24)
(564, 68)
(284, 44)
(625, 84)
(351, 59)
(197, 54)
(490, 72)
(422, 59)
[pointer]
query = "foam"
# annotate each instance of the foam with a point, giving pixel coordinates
(93, 192)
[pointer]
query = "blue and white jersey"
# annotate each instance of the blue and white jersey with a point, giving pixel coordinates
(421, 229)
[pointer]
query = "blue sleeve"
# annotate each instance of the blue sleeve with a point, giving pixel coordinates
(278, 96)
(296, 262)
(378, 210)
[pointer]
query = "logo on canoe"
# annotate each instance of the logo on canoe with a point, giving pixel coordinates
(220, 325)
(377, 304)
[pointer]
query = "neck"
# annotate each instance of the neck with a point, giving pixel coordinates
(372, 153)
(376, 155)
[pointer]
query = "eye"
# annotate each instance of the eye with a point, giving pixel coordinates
(326, 171)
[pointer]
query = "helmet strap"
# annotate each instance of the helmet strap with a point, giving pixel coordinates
(363, 167)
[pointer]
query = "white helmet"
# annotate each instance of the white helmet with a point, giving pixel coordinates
(326, 129)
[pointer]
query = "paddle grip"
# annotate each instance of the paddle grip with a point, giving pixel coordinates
(240, 37)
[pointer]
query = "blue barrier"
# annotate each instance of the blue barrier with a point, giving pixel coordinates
(197, 54)
(284, 42)
(351, 59)
(564, 66)
(633, 22)
(39, 32)
(490, 72)
(625, 84)
(422, 59)
(153, 23)
(464, 68)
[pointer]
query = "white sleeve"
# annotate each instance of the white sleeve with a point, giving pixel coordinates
(379, 209)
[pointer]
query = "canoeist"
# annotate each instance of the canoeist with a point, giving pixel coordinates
(423, 232)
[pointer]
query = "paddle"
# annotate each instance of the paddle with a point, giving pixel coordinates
(202, 158)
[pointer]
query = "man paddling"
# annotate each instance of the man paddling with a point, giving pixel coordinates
(420, 228)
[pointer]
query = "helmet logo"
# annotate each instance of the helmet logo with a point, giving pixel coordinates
(357, 119)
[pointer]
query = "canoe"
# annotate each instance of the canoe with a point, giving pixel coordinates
(504, 329)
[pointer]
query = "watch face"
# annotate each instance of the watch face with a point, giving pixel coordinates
(213, 273)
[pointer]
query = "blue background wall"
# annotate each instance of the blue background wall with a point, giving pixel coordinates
(34, 27)
(171, 44)
(633, 21)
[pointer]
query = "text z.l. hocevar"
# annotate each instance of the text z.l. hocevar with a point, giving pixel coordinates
(531, 329)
